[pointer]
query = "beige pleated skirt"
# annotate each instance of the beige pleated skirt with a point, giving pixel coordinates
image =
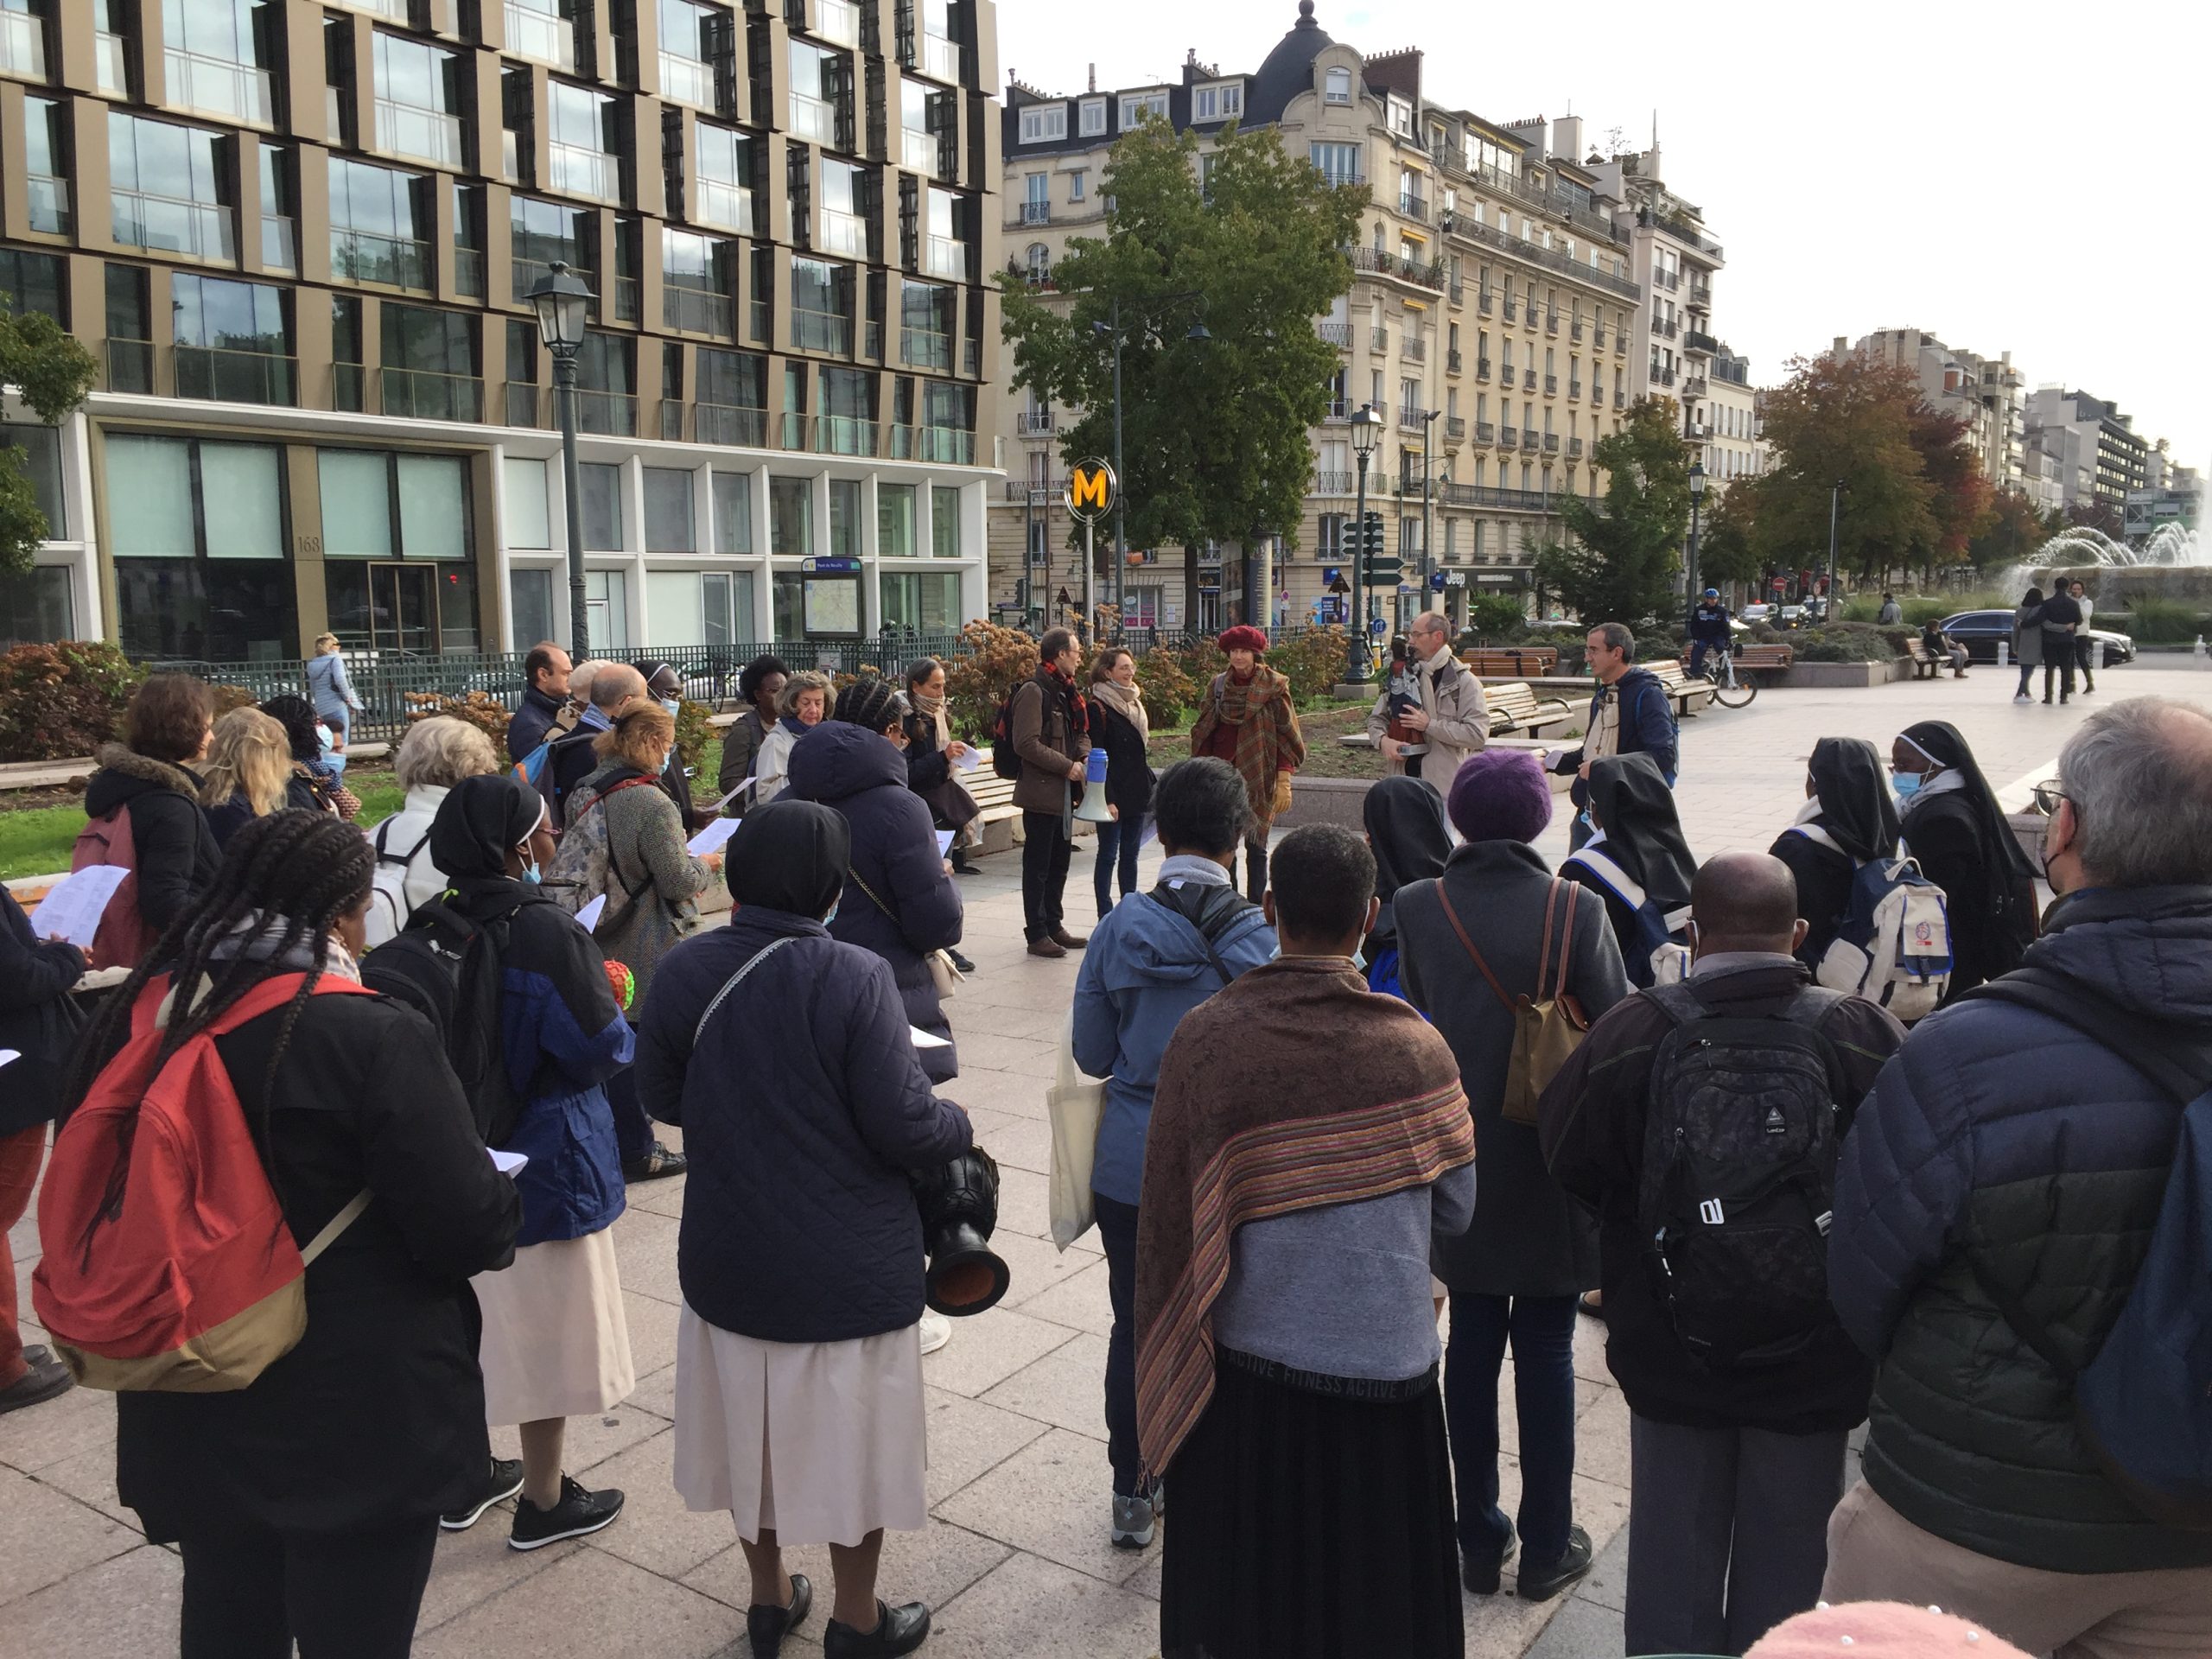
(556, 1343)
(823, 1441)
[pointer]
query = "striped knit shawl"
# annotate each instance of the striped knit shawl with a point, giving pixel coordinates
(1293, 1088)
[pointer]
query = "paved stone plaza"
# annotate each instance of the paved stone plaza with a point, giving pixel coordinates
(1015, 1560)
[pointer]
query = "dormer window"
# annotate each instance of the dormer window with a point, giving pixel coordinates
(1094, 117)
(1225, 101)
(1137, 105)
(1336, 86)
(1043, 123)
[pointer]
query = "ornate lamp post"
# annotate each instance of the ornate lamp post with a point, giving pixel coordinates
(561, 300)
(1366, 428)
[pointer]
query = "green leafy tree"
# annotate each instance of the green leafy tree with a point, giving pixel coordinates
(1842, 417)
(1727, 550)
(1214, 432)
(1620, 563)
(2014, 533)
(53, 374)
(1963, 500)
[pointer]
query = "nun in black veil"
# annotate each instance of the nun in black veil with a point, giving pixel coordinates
(1953, 825)
(1848, 819)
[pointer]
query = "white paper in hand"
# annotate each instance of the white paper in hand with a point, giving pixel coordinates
(968, 759)
(9, 1056)
(734, 793)
(925, 1040)
(507, 1163)
(710, 839)
(587, 918)
(74, 906)
(945, 842)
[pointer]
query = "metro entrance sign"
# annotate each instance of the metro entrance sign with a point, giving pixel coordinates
(1090, 494)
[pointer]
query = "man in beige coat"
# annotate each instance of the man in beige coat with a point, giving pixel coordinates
(1452, 720)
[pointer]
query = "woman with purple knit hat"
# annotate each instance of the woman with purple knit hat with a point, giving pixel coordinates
(1515, 1275)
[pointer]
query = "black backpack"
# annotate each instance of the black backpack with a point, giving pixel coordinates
(447, 967)
(1005, 762)
(1739, 1154)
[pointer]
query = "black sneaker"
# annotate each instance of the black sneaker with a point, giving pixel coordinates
(505, 1482)
(767, 1625)
(46, 1377)
(578, 1512)
(961, 962)
(656, 1165)
(1480, 1573)
(1542, 1586)
(897, 1630)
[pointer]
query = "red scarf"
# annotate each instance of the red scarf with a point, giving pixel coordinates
(1078, 706)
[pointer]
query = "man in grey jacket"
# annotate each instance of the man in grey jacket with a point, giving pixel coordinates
(1452, 720)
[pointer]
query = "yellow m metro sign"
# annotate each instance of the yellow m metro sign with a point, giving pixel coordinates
(1090, 490)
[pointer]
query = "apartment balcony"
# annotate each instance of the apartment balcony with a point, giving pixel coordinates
(1485, 433)
(1375, 260)
(608, 414)
(1339, 408)
(1665, 328)
(1551, 386)
(829, 434)
(1378, 342)
(1455, 428)
(942, 255)
(1336, 181)
(521, 404)
(1044, 493)
(843, 234)
(1415, 350)
(391, 261)
(1620, 342)
(169, 225)
(1701, 294)
(1528, 379)
(1509, 437)
(729, 423)
(1529, 436)
(22, 45)
(1512, 311)
(918, 152)
(1574, 390)
(574, 170)
(217, 86)
(1453, 362)
(230, 377)
(424, 395)
(1666, 279)
(539, 34)
(1332, 484)
(110, 59)
(1574, 331)
(1702, 345)
(926, 348)
(1693, 386)
(348, 385)
(942, 59)
(526, 274)
(1414, 207)
(1411, 419)
(687, 81)
(1482, 368)
(946, 445)
(726, 206)
(697, 311)
(1035, 212)
(1573, 448)
(813, 118)
(48, 205)
(1620, 398)
(1335, 333)
(1551, 443)
(1598, 340)
(1036, 422)
(1661, 377)
(468, 271)
(1459, 293)
(1551, 322)
(419, 134)
(837, 21)
(1485, 302)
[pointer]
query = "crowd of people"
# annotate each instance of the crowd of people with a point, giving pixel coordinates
(1410, 1100)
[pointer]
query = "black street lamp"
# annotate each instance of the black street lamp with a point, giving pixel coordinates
(562, 299)
(1697, 496)
(1366, 428)
(1198, 334)
(1835, 503)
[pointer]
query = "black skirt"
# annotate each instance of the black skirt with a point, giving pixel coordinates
(1311, 1523)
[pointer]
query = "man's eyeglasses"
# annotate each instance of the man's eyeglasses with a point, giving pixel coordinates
(2047, 795)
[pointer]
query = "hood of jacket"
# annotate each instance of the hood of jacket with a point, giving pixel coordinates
(124, 775)
(1155, 947)
(835, 762)
(1630, 686)
(2148, 949)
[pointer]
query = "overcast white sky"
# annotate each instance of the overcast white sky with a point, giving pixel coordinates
(2026, 176)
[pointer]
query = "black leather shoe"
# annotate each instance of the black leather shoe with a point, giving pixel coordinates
(897, 1630)
(657, 1165)
(1480, 1576)
(767, 1625)
(961, 962)
(1542, 1584)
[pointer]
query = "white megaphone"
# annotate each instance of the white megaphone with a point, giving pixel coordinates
(1094, 808)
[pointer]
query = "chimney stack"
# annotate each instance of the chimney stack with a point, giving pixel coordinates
(1094, 78)
(1566, 138)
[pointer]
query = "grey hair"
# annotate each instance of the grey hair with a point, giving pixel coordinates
(438, 752)
(1617, 636)
(2139, 774)
(807, 680)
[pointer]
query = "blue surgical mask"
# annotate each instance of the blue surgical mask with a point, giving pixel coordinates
(1907, 785)
(529, 875)
(674, 705)
(832, 917)
(323, 738)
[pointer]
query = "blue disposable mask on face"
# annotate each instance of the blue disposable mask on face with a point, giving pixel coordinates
(1907, 785)
(674, 705)
(529, 875)
(323, 738)
(832, 917)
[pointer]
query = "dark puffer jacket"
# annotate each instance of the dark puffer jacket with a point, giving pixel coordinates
(2003, 1139)
(803, 1107)
(175, 850)
(894, 852)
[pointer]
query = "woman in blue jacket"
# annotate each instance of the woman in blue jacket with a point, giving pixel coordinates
(555, 1343)
(1154, 959)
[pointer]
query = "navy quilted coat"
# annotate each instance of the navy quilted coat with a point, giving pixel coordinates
(2001, 1137)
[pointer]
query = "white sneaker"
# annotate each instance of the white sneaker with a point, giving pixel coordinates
(936, 1330)
(2022, 698)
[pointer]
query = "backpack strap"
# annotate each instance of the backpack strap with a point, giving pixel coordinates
(337, 1224)
(735, 980)
(2179, 1063)
(1624, 887)
(629, 892)
(1168, 899)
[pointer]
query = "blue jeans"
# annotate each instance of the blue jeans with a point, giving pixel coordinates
(1116, 840)
(1117, 1235)
(1542, 1331)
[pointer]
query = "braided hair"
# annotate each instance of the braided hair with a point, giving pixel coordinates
(298, 716)
(304, 869)
(870, 703)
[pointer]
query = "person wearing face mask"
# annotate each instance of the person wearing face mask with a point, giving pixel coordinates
(1955, 829)
(1995, 1201)
(665, 687)
(555, 1343)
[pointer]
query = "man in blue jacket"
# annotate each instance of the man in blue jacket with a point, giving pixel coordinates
(2011, 1159)
(1156, 956)
(544, 700)
(1629, 714)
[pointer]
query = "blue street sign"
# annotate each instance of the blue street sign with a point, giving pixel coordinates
(1331, 576)
(831, 566)
(1436, 582)
(1376, 626)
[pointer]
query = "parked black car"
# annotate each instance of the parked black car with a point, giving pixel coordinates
(1980, 631)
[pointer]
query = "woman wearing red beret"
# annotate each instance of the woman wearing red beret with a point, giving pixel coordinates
(1247, 720)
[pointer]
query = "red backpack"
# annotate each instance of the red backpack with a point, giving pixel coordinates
(124, 935)
(189, 1281)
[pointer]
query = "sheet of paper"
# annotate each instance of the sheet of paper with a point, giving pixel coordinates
(968, 759)
(587, 918)
(923, 1040)
(507, 1163)
(73, 907)
(9, 1056)
(710, 839)
(945, 842)
(734, 793)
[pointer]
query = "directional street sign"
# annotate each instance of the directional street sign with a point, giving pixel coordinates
(1089, 490)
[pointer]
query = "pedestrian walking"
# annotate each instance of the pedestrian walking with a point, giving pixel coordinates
(247, 773)
(1741, 1386)
(932, 755)
(1849, 819)
(1247, 719)
(1635, 858)
(1628, 715)
(1049, 721)
(2062, 625)
(41, 1025)
(802, 704)
(1406, 832)
(1120, 725)
(556, 1343)
(434, 755)
(2085, 651)
(142, 811)
(548, 709)
(901, 901)
(305, 1505)
(2027, 641)
(1446, 721)
(783, 1055)
(1153, 960)
(759, 683)
(331, 692)
(1954, 828)
(1994, 1203)
(1514, 1276)
(1307, 1138)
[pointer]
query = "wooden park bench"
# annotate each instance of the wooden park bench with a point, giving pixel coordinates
(1536, 660)
(1764, 658)
(1930, 665)
(1674, 679)
(1000, 818)
(1515, 706)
